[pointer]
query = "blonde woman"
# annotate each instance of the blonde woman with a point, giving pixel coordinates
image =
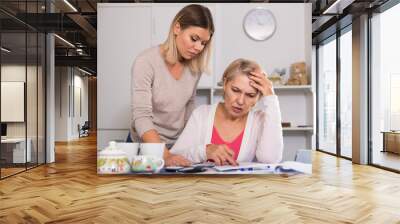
(245, 127)
(165, 77)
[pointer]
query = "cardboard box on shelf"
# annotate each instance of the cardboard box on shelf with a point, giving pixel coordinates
(298, 74)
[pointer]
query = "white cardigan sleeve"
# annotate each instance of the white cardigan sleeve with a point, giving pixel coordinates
(190, 143)
(270, 140)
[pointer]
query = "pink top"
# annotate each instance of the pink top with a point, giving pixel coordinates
(234, 145)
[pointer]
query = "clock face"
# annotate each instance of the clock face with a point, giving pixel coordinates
(259, 24)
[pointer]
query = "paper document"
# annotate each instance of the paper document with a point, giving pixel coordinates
(294, 166)
(285, 167)
(245, 166)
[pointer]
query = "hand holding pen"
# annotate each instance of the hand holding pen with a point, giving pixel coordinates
(220, 154)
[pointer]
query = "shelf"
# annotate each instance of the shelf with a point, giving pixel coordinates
(203, 88)
(278, 88)
(298, 129)
(300, 87)
(218, 88)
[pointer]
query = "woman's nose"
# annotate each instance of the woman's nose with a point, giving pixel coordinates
(240, 99)
(198, 46)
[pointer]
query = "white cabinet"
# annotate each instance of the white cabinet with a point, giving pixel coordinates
(297, 107)
(17, 148)
(20, 154)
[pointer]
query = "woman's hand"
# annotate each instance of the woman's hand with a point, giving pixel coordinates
(175, 160)
(220, 154)
(260, 81)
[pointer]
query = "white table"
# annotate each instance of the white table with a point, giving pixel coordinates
(297, 167)
(18, 145)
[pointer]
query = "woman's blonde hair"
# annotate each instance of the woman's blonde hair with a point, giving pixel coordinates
(238, 67)
(191, 15)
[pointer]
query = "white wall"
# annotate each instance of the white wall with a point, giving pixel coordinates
(141, 26)
(290, 43)
(61, 103)
(17, 73)
(67, 81)
(80, 83)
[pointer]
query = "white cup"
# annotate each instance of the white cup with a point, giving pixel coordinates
(130, 149)
(152, 149)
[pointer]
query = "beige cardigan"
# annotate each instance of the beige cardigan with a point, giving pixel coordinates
(262, 139)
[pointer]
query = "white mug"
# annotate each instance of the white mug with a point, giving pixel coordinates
(152, 149)
(130, 149)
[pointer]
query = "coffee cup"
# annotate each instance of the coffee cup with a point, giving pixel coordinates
(147, 163)
(130, 149)
(152, 149)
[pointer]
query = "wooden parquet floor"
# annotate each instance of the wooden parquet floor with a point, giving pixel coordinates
(70, 191)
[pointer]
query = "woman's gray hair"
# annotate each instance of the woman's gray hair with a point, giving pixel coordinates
(238, 67)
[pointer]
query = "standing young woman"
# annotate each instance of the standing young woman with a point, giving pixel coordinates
(165, 78)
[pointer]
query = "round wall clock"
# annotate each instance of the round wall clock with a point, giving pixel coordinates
(259, 24)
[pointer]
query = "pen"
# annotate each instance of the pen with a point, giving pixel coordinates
(255, 168)
(246, 169)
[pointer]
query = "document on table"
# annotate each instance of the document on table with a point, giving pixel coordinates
(294, 166)
(246, 166)
(285, 167)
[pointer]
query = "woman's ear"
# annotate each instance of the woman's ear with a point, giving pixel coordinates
(177, 28)
(224, 84)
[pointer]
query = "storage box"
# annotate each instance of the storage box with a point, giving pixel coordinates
(298, 74)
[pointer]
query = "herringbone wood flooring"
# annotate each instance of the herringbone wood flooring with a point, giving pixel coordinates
(70, 191)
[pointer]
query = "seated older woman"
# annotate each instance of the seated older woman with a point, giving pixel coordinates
(245, 127)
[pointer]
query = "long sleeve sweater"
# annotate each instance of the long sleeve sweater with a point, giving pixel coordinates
(158, 100)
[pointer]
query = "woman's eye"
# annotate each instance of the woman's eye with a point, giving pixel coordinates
(235, 90)
(193, 39)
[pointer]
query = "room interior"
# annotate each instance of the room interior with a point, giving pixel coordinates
(58, 109)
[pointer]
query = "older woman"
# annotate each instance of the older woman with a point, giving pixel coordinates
(165, 78)
(246, 126)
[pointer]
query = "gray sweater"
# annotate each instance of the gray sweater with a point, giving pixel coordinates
(158, 100)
